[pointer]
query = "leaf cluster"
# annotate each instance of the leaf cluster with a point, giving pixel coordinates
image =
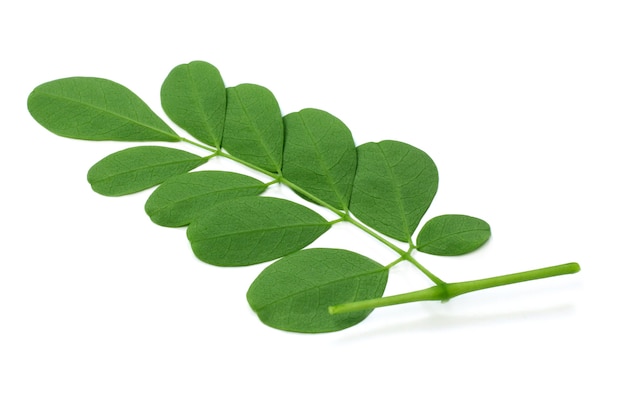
(384, 188)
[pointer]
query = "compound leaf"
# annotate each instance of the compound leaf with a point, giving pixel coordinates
(250, 230)
(451, 235)
(183, 198)
(387, 185)
(138, 168)
(294, 293)
(96, 109)
(254, 126)
(320, 156)
(395, 184)
(194, 97)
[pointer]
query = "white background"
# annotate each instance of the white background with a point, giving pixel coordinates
(521, 105)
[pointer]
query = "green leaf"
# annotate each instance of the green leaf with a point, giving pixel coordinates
(254, 126)
(388, 186)
(251, 230)
(194, 97)
(295, 292)
(450, 235)
(138, 168)
(320, 156)
(183, 198)
(395, 184)
(96, 109)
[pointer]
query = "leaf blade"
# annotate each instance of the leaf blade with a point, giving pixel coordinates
(320, 156)
(183, 198)
(96, 109)
(294, 293)
(253, 130)
(394, 185)
(135, 169)
(250, 230)
(194, 97)
(452, 235)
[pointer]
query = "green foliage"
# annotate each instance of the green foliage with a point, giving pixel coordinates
(250, 230)
(138, 168)
(184, 198)
(254, 126)
(395, 184)
(452, 235)
(194, 97)
(320, 156)
(388, 186)
(96, 109)
(294, 293)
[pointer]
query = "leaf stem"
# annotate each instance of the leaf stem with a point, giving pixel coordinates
(404, 255)
(455, 289)
(371, 232)
(208, 157)
(394, 263)
(270, 174)
(426, 272)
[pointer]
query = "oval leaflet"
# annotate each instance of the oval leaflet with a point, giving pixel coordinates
(253, 130)
(295, 292)
(138, 168)
(395, 184)
(183, 198)
(452, 235)
(250, 230)
(320, 156)
(96, 109)
(194, 96)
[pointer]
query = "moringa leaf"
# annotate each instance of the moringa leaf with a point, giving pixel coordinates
(194, 97)
(312, 152)
(250, 230)
(395, 184)
(451, 235)
(96, 109)
(254, 126)
(320, 156)
(138, 168)
(183, 198)
(294, 293)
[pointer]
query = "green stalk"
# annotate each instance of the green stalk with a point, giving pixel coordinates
(426, 272)
(450, 290)
(374, 234)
